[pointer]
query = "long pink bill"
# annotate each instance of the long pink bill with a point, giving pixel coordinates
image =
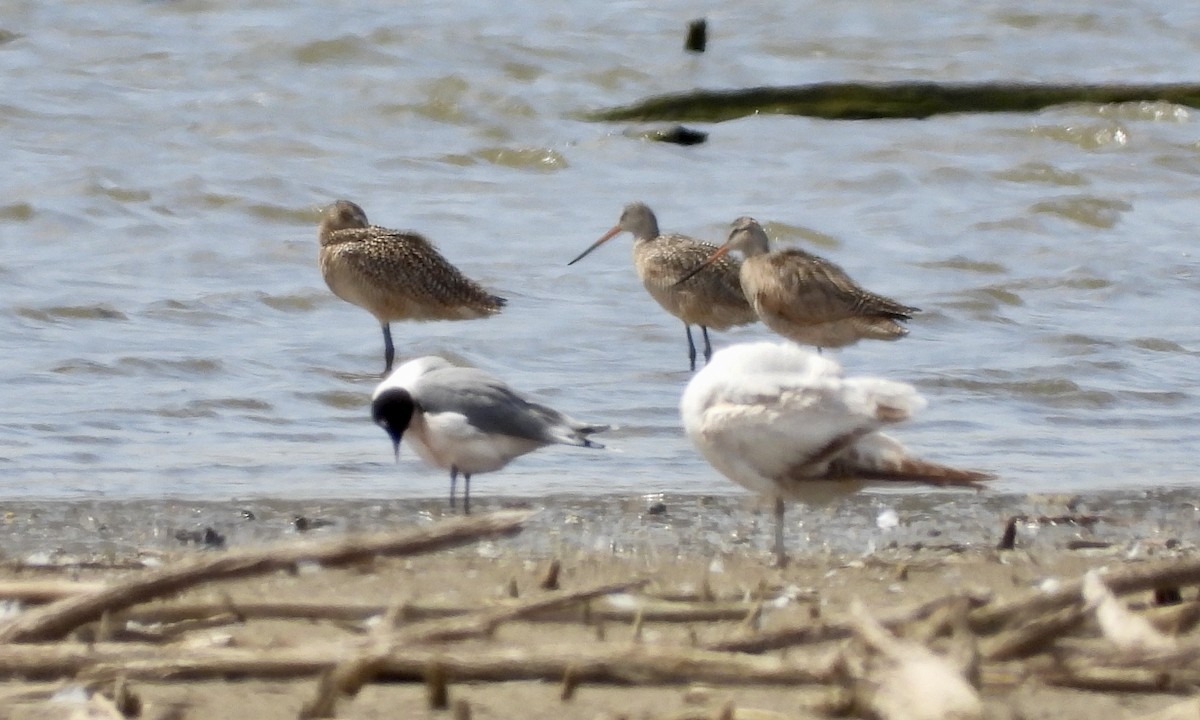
(606, 237)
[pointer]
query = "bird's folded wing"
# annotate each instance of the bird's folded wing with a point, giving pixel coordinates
(489, 405)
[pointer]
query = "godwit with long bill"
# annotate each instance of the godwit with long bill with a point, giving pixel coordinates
(713, 299)
(804, 297)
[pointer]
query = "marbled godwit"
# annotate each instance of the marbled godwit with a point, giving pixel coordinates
(806, 298)
(466, 420)
(782, 421)
(714, 299)
(394, 275)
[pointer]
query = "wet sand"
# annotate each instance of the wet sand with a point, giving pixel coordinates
(707, 550)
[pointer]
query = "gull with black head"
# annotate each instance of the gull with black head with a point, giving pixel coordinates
(467, 421)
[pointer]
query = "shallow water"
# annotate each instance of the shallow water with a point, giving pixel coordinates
(166, 332)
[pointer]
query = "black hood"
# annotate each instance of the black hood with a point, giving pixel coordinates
(392, 410)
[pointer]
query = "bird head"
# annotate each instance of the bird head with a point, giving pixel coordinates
(636, 218)
(393, 410)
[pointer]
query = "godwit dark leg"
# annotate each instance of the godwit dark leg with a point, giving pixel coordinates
(691, 345)
(389, 350)
(707, 344)
(780, 553)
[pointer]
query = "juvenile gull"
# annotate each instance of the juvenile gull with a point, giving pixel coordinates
(394, 274)
(804, 297)
(467, 421)
(713, 299)
(781, 421)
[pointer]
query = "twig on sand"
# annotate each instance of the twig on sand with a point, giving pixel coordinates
(622, 663)
(1132, 579)
(348, 677)
(1110, 679)
(41, 591)
(617, 608)
(1033, 637)
(833, 629)
(59, 618)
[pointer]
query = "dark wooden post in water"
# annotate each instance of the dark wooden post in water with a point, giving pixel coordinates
(697, 36)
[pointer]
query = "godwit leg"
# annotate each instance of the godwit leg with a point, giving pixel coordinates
(691, 345)
(453, 483)
(466, 493)
(389, 350)
(707, 344)
(780, 554)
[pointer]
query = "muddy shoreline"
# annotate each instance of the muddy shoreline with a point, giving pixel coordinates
(704, 559)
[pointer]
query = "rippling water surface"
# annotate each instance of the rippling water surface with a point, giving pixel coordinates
(164, 329)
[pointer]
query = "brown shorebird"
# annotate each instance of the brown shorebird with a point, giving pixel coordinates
(714, 299)
(806, 298)
(783, 421)
(393, 274)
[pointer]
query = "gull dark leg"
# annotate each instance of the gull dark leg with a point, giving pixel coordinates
(780, 554)
(389, 350)
(691, 345)
(453, 482)
(707, 344)
(466, 493)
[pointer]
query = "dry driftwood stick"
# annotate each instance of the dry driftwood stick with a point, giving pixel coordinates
(1032, 637)
(1174, 619)
(1101, 651)
(95, 662)
(621, 664)
(57, 619)
(182, 611)
(33, 692)
(831, 629)
(619, 608)
(1187, 710)
(42, 591)
(1106, 679)
(347, 678)
(486, 620)
(600, 663)
(628, 608)
(1126, 580)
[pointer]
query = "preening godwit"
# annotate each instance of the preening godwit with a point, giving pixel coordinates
(393, 274)
(806, 298)
(778, 420)
(713, 299)
(467, 421)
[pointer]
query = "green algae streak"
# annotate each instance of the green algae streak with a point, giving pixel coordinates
(872, 101)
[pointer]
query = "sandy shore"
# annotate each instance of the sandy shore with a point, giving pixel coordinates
(718, 591)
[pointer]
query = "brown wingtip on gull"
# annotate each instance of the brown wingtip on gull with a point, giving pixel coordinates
(394, 274)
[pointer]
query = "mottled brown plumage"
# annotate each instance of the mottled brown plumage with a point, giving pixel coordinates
(714, 299)
(807, 298)
(394, 275)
